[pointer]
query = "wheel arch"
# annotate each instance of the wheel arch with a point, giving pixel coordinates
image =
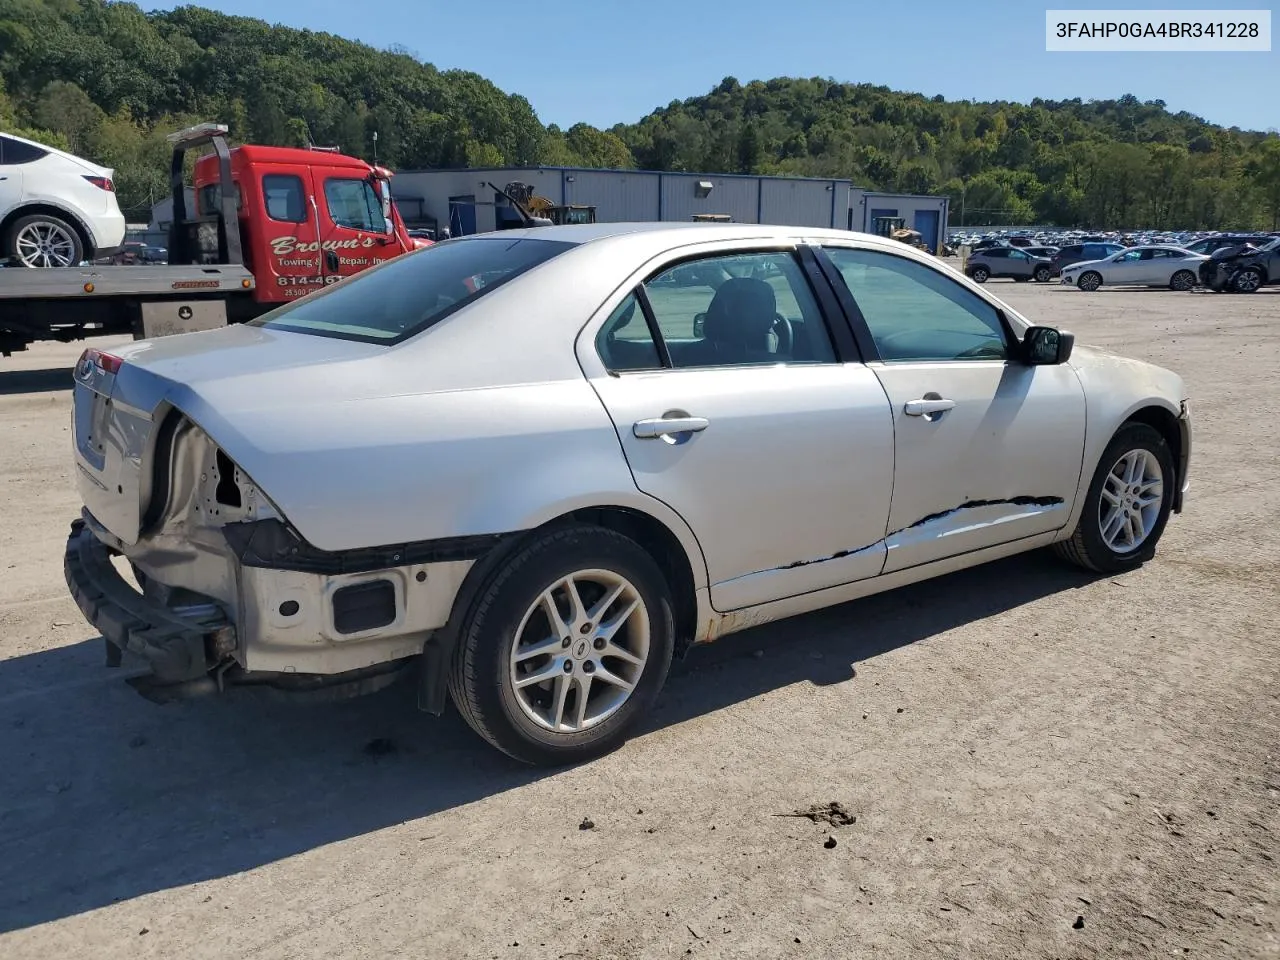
(87, 240)
(1165, 423)
(670, 552)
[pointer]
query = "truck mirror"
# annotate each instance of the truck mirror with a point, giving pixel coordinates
(384, 194)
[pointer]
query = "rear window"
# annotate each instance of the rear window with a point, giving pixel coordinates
(405, 296)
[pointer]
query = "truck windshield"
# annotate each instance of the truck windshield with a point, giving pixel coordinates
(405, 296)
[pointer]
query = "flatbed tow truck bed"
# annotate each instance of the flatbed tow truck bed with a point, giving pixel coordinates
(17, 283)
(70, 303)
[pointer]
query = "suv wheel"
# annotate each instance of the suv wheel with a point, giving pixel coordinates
(1042, 274)
(979, 274)
(1248, 280)
(42, 240)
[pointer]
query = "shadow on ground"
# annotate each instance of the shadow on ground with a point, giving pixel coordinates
(49, 380)
(106, 797)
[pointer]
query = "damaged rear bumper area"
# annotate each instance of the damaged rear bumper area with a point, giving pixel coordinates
(190, 648)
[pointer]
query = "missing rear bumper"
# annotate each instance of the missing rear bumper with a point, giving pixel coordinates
(178, 648)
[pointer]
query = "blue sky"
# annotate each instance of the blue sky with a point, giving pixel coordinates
(607, 61)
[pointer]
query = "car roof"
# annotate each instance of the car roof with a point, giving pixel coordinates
(674, 233)
(54, 151)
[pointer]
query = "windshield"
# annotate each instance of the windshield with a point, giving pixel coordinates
(1271, 245)
(407, 295)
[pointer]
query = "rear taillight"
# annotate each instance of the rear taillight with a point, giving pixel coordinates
(107, 362)
(102, 183)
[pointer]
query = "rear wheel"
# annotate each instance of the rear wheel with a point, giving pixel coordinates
(1089, 281)
(1042, 274)
(1127, 505)
(566, 647)
(1182, 280)
(980, 274)
(42, 240)
(1247, 281)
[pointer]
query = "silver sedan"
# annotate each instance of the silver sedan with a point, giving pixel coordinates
(1154, 266)
(529, 468)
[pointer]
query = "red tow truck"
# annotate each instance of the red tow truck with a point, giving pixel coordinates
(270, 224)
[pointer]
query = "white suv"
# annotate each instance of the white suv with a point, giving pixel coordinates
(56, 210)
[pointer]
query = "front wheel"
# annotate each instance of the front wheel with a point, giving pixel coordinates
(1182, 280)
(1127, 505)
(1042, 274)
(566, 647)
(1247, 281)
(1089, 281)
(980, 274)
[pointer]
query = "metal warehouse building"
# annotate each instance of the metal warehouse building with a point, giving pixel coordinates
(463, 201)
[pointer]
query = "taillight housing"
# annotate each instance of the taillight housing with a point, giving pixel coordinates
(102, 183)
(107, 362)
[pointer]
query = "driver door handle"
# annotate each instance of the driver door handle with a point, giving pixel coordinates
(921, 408)
(666, 426)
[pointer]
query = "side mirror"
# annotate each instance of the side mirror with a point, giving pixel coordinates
(1045, 346)
(384, 195)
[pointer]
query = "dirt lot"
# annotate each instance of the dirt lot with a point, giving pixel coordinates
(1021, 745)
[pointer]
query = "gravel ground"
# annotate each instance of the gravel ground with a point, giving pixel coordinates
(1040, 763)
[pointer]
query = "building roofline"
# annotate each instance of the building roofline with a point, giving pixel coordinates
(907, 196)
(665, 173)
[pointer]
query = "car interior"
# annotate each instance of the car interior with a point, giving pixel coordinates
(716, 318)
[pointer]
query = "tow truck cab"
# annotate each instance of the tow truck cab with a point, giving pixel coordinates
(306, 218)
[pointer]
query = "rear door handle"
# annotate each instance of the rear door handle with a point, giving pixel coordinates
(668, 426)
(924, 408)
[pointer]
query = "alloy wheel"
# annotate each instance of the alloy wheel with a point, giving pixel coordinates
(42, 244)
(1131, 499)
(1248, 281)
(579, 651)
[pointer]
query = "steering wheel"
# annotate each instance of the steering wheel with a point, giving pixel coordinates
(786, 334)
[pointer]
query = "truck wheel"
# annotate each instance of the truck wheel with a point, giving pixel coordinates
(42, 240)
(565, 648)
(1127, 505)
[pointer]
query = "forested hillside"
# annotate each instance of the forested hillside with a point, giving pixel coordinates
(1113, 163)
(109, 81)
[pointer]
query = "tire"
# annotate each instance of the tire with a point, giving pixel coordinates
(42, 240)
(1182, 280)
(1042, 275)
(1247, 281)
(521, 721)
(980, 274)
(1087, 546)
(1089, 281)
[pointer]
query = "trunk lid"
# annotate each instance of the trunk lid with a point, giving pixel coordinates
(123, 397)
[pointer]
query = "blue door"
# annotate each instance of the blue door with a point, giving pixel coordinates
(462, 216)
(927, 225)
